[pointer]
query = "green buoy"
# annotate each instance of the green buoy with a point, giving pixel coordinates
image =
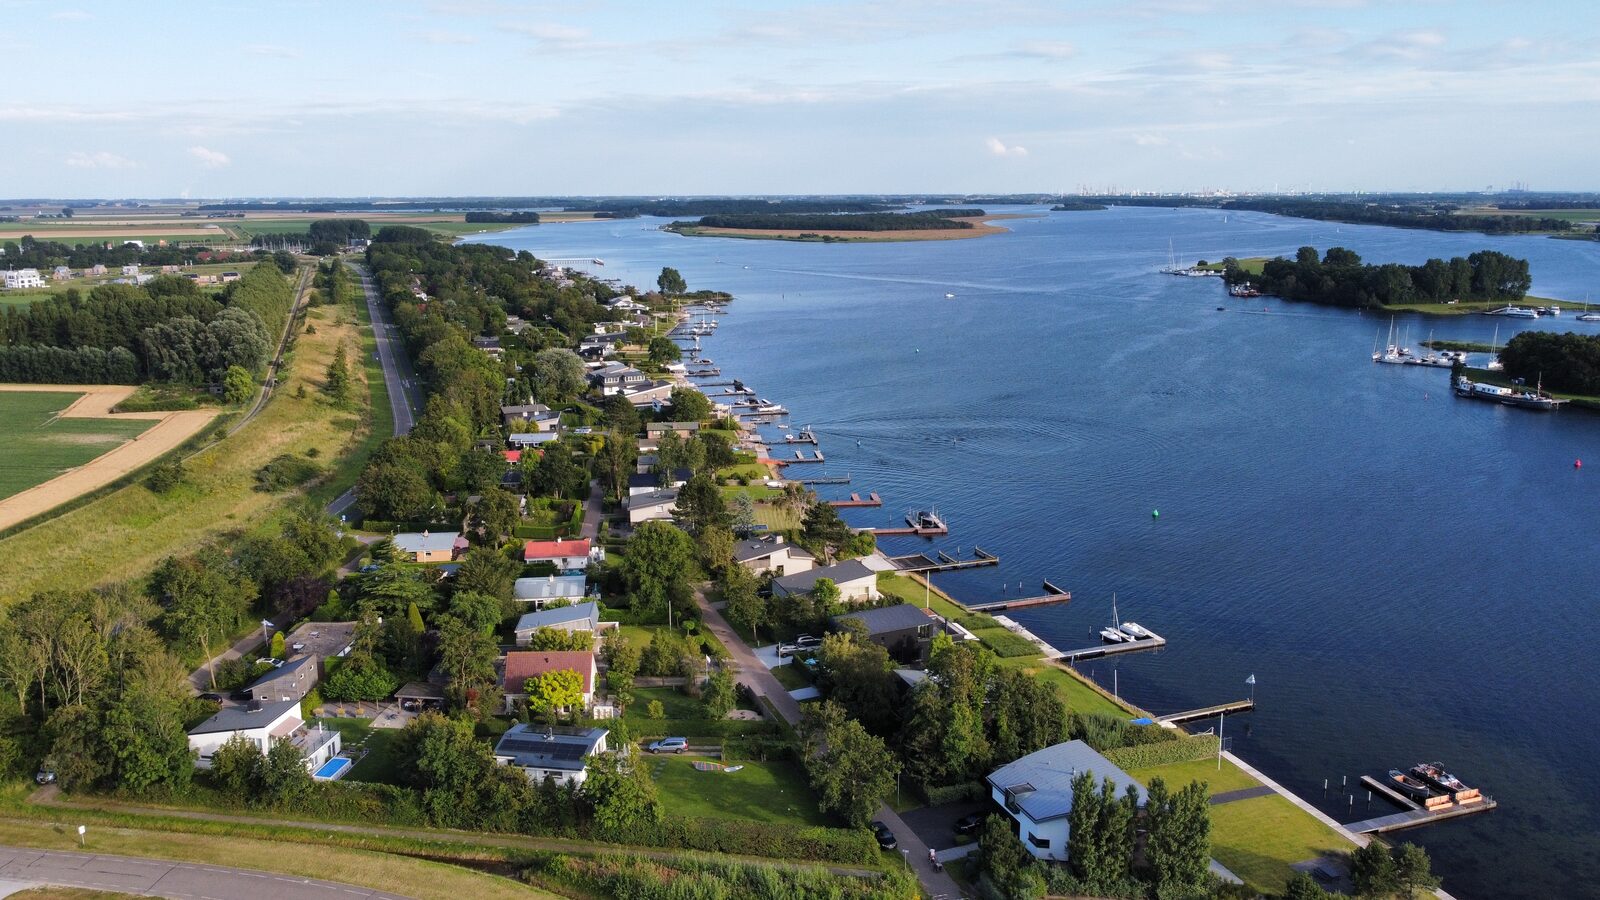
(1155, 514)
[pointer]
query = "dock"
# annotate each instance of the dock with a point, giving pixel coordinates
(1412, 818)
(816, 456)
(803, 437)
(1150, 643)
(855, 500)
(1390, 793)
(922, 562)
(823, 479)
(1221, 709)
(1051, 595)
(912, 530)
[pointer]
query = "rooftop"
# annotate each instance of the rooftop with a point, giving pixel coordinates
(587, 612)
(801, 582)
(524, 664)
(426, 541)
(886, 619)
(1040, 784)
(554, 549)
(549, 587)
(547, 747)
(759, 548)
(245, 718)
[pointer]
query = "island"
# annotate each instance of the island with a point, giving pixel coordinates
(828, 228)
(1077, 206)
(1339, 278)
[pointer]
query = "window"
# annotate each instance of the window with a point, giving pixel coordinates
(1041, 843)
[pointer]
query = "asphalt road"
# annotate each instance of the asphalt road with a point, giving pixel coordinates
(162, 878)
(405, 395)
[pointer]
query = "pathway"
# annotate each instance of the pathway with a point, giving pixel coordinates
(750, 672)
(593, 511)
(163, 878)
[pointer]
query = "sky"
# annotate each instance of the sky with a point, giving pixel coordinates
(671, 97)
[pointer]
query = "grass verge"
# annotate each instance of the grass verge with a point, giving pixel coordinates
(773, 792)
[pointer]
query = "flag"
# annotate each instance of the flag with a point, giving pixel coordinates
(1250, 680)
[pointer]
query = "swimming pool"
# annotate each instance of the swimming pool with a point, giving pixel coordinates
(333, 769)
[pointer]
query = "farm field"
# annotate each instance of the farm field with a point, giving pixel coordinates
(42, 445)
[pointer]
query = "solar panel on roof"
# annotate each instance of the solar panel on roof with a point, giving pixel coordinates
(551, 749)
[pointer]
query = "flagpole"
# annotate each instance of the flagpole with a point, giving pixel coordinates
(1221, 720)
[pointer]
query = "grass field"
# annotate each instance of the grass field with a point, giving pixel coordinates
(1570, 215)
(1219, 781)
(40, 446)
(1260, 838)
(52, 288)
(67, 552)
(380, 764)
(774, 792)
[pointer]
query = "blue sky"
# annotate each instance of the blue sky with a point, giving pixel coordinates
(347, 99)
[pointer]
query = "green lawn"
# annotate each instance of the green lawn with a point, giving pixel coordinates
(40, 446)
(1258, 839)
(791, 678)
(774, 792)
(777, 518)
(752, 471)
(675, 704)
(381, 763)
(1229, 778)
(1079, 695)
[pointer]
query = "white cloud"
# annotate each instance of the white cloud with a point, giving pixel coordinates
(99, 160)
(999, 148)
(277, 51)
(1150, 140)
(446, 38)
(211, 159)
(1046, 49)
(71, 15)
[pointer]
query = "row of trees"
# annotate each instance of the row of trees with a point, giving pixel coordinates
(872, 221)
(1339, 278)
(1562, 362)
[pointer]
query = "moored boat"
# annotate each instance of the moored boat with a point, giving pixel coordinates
(1434, 773)
(1408, 785)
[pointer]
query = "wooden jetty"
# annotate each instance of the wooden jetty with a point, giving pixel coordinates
(804, 436)
(1412, 818)
(704, 373)
(815, 457)
(1052, 594)
(1237, 706)
(855, 500)
(1149, 643)
(922, 562)
(823, 479)
(1390, 793)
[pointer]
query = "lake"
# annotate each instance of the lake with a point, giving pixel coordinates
(1410, 576)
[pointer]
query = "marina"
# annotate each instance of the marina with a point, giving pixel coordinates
(1154, 642)
(1052, 595)
(923, 563)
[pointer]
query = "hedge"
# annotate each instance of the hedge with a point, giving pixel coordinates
(1166, 753)
(841, 845)
(1005, 644)
(954, 793)
(756, 749)
(641, 729)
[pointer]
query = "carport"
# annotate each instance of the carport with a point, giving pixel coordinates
(420, 695)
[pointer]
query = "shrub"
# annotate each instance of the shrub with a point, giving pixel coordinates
(164, 477)
(284, 472)
(756, 749)
(1006, 644)
(655, 710)
(844, 845)
(954, 793)
(1200, 746)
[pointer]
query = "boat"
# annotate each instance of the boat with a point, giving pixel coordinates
(1113, 635)
(1521, 397)
(1434, 773)
(1138, 631)
(1589, 317)
(949, 296)
(1514, 312)
(1534, 399)
(1393, 353)
(1414, 788)
(1494, 364)
(1553, 310)
(771, 409)
(925, 519)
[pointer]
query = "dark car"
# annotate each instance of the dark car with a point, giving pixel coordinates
(885, 837)
(211, 696)
(239, 696)
(968, 824)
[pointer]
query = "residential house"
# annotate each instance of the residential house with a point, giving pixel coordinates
(657, 505)
(567, 556)
(555, 752)
(648, 393)
(61, 273)
(131, 269)
(773, 554)
(19, 279)
(856, 582)
(904, 630)
(261, 724)
(654, 430)
(524, 664)
(578, 617)
(539, 591)
(489, 345)
(171, 270)
(520, 416)
(611, 379)
(230, 276)
(291, 681)
(1036, 792)
(513, 457)
(428, 546)
(522, 440)
(94, 271)
(645, 482)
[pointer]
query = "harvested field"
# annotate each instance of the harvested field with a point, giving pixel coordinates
(93, 445)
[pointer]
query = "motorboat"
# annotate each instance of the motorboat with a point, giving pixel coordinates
(1434, 773)
(1138, 631)
(1515, 312)
(1415, 788)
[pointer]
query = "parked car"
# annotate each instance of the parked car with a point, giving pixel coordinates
(885, 837)
(969, 824)
(211, 696)
(44, 776)
(787, 650)
(807, 642)
(297, 646)
(669, 745)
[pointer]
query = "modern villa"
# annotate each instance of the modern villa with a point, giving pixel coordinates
(1036, 791)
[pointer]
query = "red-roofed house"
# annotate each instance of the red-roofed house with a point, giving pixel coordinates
(524, 664)
(567, 556)
(512, 456)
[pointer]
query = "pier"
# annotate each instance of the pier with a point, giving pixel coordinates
(815, 457)
(1412, 818)
(855, 500)
(912, 530)
(803, 437)
(922, 562)
(823, 479)
(1051, 595)
(1221, 709)
(1149, 643)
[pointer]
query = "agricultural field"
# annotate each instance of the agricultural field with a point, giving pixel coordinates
(41, 444)
(1571, 215)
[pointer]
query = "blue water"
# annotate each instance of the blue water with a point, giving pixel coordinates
(1409, 576)
(333, 768)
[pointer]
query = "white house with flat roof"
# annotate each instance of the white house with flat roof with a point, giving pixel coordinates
(261, 723)
(555, 752)
(20, 279)
(540, 590)
(773, 554)
(577, 617)
(855, 581)
(1036, 792)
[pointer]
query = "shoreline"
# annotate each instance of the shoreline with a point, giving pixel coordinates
(980, 228)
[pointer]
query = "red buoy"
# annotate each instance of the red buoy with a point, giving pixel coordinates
(1577, 464)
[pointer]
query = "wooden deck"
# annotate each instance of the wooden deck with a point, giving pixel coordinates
(855, 500)
(922, 562)
(1412, 818)
(1237, 706)
(1152, 643)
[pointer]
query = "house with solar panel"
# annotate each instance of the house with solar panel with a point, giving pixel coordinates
(1036, 792)
(550, 751)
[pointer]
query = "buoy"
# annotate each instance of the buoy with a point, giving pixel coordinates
(1155, 514)
(1577, 464)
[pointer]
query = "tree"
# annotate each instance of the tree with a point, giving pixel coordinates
(203, 596)
(278, 646)
(143, 734)
(626, 804)
(479, 611)
(285, 262)
(1373, 871)
(688, 405)
(361, 676)
(742, 513)
(467, 657)
(658, 557)
(237, 385)
(718, 696)
(336, 382)
(1178, 848)
(746, 608)
(485, 571)
(1302, 886)
(557, 375)
(823, 530)
(76, 755)
(670, 282)
(1000, 853)
(480, 470)
(662, 350)
(395, 491)
(1083, 838)
(851, 770)
(1413, 872)
(622, 665)
(496, 513)
(235, 768)
(283, 775)
(700, 506)
(560, 639)
(554, 474)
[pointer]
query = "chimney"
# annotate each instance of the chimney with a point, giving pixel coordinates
(777, 539)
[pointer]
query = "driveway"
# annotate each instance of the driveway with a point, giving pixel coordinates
(935, 825)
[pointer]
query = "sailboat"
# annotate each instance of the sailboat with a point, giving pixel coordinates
(1116, 633)
(1586, 315)
(1494, 364)
(1392, 353)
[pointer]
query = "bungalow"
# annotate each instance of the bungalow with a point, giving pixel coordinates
(489, 345)
(1036, 792)
(904, 630)
(524, 664)
(290, 681)
(654, 430)
(855, 581)
(568, 556)
(543, 751)
(94, 271)
(773, 555)
(517, 417)
(261, 724)
(522, 440)
(648, 393)
(429, 547)
(61, 273)
(645, 482)
(540, 591)
(657, 505)
(229, 276)
(578, 617)
(131, 269)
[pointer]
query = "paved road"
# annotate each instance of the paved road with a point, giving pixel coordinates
(405, 395)
(593, 512)
(754, 674)
(163, 878)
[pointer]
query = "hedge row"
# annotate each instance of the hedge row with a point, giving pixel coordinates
(841, 845)
(643, 729)
(536, 532)
(1005, 643)
(1166, 753)
(954, 793)
(756, 749)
